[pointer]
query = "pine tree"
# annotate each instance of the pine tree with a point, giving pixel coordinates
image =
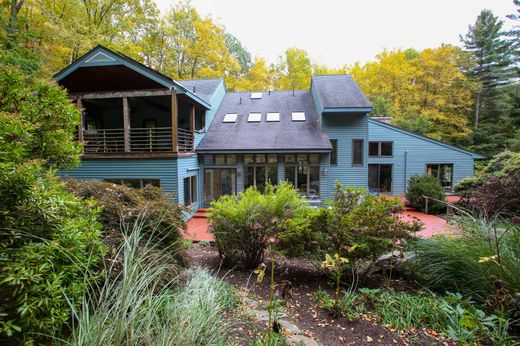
(493, 68)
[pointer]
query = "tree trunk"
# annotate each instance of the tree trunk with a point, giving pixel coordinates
(16, 5)
(477, 110)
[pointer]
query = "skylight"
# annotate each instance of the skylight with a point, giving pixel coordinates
(298, 116)
(273, 117)
(254, 117)
(256, 95)
(230, 118)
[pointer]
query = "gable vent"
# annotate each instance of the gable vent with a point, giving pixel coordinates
(100, 57)
(256, 96)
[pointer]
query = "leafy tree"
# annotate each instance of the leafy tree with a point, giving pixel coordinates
(492, 60)
(258, 77)
(294, 70)
(237, 50)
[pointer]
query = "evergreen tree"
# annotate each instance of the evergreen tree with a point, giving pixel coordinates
(493, 69)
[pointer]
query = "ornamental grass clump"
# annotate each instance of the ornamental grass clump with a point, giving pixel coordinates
(244, 224)
(146, 299)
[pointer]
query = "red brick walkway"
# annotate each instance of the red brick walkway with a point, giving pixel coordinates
(197, 226)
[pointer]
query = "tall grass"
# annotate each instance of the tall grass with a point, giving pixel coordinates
(145, 301)
(476, 262)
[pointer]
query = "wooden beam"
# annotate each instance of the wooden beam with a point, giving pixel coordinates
(119, 94)
(81, 126)
(192, 120)
(175, 114)
(126, 124)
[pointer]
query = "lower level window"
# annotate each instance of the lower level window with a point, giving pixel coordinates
(190, 190)
(380, 178)
(260, 169)
(443, 172)
(135, 183)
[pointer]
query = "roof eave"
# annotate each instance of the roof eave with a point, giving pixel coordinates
(347, 109)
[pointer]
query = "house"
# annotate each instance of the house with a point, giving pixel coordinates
(198, 141)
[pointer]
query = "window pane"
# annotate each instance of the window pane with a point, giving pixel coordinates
(220, 159)
(385, 178)
(314, 158)
(373, 178)
(334, 152)
(199, 119)
(314, 178)
(193, 189)
(290, 158)
(151, 182)
(135, 183)
(301, 176)
(231, 159)
(272, 158)
(373, 148)
(357, 152)
(289, 174)
(272, 175)
(386, 148)
(248, 158)
(187, 200)
(302, 157)
(260, 177)
(446, 175)
(432, 170)
(260, 158)
(249, 177)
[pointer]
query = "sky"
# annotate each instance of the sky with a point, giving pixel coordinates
(339, 32)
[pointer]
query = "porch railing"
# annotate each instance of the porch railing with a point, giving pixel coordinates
(159, 139)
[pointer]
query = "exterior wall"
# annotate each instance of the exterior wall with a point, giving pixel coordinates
(216, 99)
(346, 127)
(163, 169)
(411, 154)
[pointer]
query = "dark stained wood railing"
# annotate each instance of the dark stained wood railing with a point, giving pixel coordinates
(159, 139)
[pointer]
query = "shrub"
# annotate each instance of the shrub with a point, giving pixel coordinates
(135, 306)
(481, 262)
(48, 238)
(355, 225)
(244, 224)
(424, 185)
(124, 205)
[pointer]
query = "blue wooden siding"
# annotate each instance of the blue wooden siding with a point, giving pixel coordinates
(163, 169)
(411, 154)
(345, 128)
(325, 186)
(215, 102)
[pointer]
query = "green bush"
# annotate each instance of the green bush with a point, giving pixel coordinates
(124, 205)
(481, 262)
(243, 225)
(356, 225)
(424, 185)
(48, 238)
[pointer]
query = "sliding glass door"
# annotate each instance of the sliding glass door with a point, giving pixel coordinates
(380, 178)
(218, 182)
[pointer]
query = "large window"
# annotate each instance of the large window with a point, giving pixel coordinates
(220, 160)
(303, 171)
(260, 169)
(357, 152)
(380, 149)
(190, 190)
(380, 178)
(135, 183)
(334, 152)
(443, 172)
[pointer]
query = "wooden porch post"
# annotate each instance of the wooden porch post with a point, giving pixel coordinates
(126, 124)
(175, 111)
(81, 127)
(192, 125)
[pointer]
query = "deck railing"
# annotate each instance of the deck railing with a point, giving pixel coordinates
(159, 139)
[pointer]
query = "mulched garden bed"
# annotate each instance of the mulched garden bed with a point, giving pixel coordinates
(302, 309)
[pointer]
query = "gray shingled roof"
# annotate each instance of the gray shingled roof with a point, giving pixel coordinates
(283, 135)
(339, 91)
(204, 88)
